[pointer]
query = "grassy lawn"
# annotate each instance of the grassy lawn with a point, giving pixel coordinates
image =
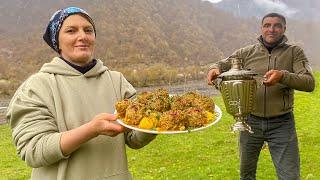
(11, 167)
(208, 154)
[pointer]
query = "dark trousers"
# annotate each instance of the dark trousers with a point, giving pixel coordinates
(280, 134)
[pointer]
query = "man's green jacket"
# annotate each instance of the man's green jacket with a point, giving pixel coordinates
(277, 99)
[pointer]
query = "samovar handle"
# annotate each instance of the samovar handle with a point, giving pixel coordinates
(260, 79)
(216, 83)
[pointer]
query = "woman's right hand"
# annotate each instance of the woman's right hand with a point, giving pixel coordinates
(101, 124)
(105, 124)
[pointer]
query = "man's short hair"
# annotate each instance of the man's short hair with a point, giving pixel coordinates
(283, 19)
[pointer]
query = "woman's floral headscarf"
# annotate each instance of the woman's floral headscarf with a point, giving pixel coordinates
(55, 23)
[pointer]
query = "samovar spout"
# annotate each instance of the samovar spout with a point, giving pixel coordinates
(241, 125)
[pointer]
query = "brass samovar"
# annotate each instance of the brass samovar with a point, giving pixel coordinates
(238, 88)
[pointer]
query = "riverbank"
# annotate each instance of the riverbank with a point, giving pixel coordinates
(196, 86)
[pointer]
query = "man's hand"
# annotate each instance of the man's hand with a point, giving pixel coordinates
(212, 75)
(272, 77)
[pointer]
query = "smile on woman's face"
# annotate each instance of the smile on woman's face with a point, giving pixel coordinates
(76, 40)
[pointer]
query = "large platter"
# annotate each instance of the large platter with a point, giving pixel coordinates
(218, 114)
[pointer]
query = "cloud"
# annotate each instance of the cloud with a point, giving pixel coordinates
(276, 6)
(213, 1)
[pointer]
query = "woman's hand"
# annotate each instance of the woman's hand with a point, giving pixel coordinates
(101, 124)
(105, 124)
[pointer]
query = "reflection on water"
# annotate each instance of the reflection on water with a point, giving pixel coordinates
(198, 86)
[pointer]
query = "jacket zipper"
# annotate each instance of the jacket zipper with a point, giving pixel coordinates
(284, 101)
(284, 96)
(265, 89)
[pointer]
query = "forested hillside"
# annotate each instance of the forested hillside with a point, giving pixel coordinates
(165, 41)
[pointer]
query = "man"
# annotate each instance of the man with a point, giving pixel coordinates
(285, 69)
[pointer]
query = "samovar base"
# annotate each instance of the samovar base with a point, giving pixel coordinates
(241, 126)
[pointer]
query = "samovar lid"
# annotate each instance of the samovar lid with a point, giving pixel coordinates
(237, 70)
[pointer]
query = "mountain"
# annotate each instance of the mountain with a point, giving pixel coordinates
(129, 32)
(167, 36)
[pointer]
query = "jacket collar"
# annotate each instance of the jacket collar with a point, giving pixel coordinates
(282, 43)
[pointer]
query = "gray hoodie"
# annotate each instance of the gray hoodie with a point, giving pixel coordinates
(59, 98)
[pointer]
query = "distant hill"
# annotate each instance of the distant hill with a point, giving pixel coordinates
(135, 34)
(129, 31)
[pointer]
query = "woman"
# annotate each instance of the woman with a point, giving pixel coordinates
(62, 117)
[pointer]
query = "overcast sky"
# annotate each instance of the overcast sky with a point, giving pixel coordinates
(213, 1)
(270, 5)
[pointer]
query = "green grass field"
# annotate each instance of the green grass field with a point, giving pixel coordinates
(208, 154)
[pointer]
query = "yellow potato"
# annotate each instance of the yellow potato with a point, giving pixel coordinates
(146, 123)
(210, 116)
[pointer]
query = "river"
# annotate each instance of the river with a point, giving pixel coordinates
(197, 86)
